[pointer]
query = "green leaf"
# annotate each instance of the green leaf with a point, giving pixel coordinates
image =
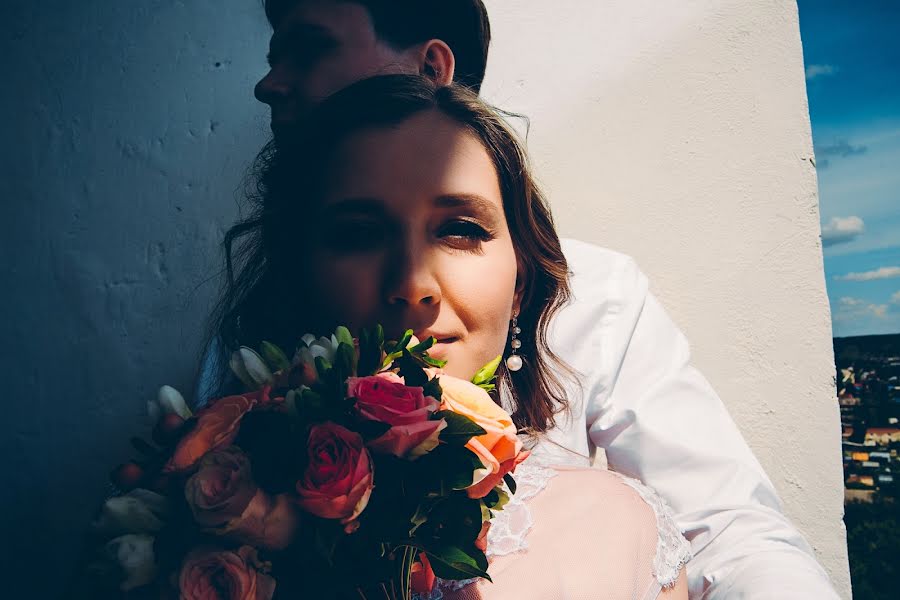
(369, 354)
(371, 430)
(403, 342)
(433, 362)
(455, 564)
(343, 336)
(510, 482)
(460, 429)
(412, 372)
(487, 373)
(423, 345)
(405, 570)
(275, 357)
(323, 367)
(433, 389)
(344, 359)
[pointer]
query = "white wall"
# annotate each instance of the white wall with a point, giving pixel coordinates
(678, 133)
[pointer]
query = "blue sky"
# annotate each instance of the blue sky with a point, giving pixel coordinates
(852, 54)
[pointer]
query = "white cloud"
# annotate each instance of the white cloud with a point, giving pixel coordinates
(882, 273)
(895, 299)
(856, 308)
(842, 229)
(813, 71)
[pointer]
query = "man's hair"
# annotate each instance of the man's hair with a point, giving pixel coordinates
(461, 24)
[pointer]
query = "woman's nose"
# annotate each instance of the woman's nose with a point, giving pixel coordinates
(415, 285)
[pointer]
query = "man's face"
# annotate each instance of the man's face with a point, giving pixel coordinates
(319, 48)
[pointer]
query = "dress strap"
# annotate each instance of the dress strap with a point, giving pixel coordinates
(673, 551)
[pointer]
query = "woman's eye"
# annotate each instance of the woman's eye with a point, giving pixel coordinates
(349, 238)
(464, 233)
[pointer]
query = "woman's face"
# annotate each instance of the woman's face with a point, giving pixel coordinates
(411, 233)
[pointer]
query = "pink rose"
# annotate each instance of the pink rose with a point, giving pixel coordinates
(406, 409)
(499, 447)
(221, 488)
(338, 480)
(211, 574)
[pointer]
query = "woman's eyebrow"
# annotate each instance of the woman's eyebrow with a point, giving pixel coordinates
(474, 202)
(354, 205)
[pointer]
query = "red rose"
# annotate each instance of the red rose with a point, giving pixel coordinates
(217, 426)
(210, 574)
(384, 398)
(338, 480)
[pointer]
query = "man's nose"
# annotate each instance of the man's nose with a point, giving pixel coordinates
(272, 88)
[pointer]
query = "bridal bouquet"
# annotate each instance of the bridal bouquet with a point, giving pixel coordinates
(356, 469)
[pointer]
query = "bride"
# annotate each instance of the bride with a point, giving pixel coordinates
(412, 205)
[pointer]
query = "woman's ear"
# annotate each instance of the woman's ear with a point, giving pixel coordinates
(519, 294)
(437, 62)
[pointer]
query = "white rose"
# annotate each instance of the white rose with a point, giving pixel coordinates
(138, 511)
(134, 554)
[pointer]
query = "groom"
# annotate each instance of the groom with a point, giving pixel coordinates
(656, 417)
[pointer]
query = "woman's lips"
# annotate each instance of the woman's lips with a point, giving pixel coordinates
(440, 347)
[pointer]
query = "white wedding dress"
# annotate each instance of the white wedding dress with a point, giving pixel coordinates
(577, 533)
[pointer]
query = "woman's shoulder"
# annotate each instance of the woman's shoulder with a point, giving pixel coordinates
(619, 511)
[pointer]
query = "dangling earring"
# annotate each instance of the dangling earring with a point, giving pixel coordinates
(514, 362)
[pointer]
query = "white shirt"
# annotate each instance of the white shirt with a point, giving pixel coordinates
(659, 421)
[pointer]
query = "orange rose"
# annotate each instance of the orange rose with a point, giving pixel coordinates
(212, 574)
(499, 447)
(216, 427)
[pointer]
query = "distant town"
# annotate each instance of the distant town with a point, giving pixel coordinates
(868, 384)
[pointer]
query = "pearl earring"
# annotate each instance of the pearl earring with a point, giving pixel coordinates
(514, 362)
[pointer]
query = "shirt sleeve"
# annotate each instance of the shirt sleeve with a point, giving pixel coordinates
(660, 421)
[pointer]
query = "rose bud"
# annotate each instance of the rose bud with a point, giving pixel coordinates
(421, 576)
(127, 476)
(168, 401)
(210, 574)
(338, 479)
(167, 430)
(406, 409)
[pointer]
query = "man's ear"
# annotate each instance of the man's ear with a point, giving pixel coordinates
(437, 62)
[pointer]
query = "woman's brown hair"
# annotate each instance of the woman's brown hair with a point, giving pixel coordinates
(264, 293)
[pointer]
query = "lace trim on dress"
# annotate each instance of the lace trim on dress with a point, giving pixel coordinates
(673, 551)
(510, 526)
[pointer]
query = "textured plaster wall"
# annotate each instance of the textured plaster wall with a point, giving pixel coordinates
(678, 133)
(675, 132)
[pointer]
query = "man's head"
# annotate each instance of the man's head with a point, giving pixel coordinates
(321, 46)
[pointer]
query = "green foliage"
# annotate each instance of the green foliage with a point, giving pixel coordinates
(460, 428)
(275, 357)
(873, 543)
